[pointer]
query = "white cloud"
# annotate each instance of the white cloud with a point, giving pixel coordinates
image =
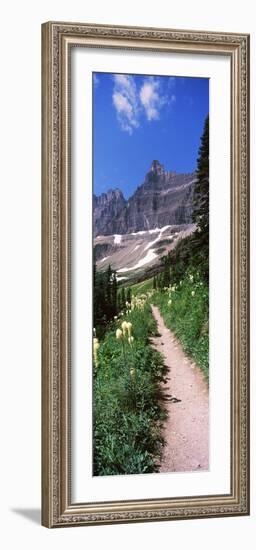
(151, 98)
(127, 85)
(124, 99)
(131, 102)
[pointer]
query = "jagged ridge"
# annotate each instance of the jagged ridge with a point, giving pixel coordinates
(164, 198)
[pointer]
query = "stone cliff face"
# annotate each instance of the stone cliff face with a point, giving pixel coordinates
(106, 208)
(164, 198)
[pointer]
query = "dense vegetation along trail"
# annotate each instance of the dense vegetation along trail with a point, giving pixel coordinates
(187, 403)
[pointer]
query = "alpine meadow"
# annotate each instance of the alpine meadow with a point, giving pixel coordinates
(150, 274)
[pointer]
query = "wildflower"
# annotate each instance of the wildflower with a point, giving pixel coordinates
(130, 340)
(124, 327)
(96, 346)
(119, 334)
(191, 278)
(192, 293)
(172, 288)
(115, 317)
(129, 328)
(132, 373)
(169, 302)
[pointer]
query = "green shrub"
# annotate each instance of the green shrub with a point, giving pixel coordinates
(126, 396)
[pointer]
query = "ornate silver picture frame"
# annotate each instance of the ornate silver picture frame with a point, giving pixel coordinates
(58, 41)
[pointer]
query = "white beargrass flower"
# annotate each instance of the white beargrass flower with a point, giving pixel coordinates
(129, 328)
(192, 293)
(130, 340)
(124, 327)
(169, 302)
(96, 346)
(119, 334)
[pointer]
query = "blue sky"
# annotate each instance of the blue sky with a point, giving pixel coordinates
(139, 118)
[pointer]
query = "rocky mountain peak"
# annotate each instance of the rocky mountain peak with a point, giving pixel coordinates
(106, 208)
(156, 168)
(155, 176)
(112, 195)
(164, 198)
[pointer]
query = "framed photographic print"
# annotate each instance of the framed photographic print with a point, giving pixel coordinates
(145, 274)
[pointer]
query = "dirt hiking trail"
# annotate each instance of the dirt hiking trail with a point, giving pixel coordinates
(187, 403)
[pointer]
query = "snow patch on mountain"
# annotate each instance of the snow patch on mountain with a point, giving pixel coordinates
(103, 259)
(150, 256)
(117, 239)
(161, 231)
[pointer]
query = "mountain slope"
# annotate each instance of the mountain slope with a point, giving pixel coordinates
(137, 255)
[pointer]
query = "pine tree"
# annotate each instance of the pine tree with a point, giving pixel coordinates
(114, 294)
(108, 293)
(159, 282)
(123, 298)
(200, 240)
(166, 272)
(129, 295)
(100, 313)
(201, 192)
(105, 298)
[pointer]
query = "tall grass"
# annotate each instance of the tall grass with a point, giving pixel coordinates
(142, 287)
(185, 309)
(126, 397)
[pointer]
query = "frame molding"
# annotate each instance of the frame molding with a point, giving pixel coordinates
(57, 41)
